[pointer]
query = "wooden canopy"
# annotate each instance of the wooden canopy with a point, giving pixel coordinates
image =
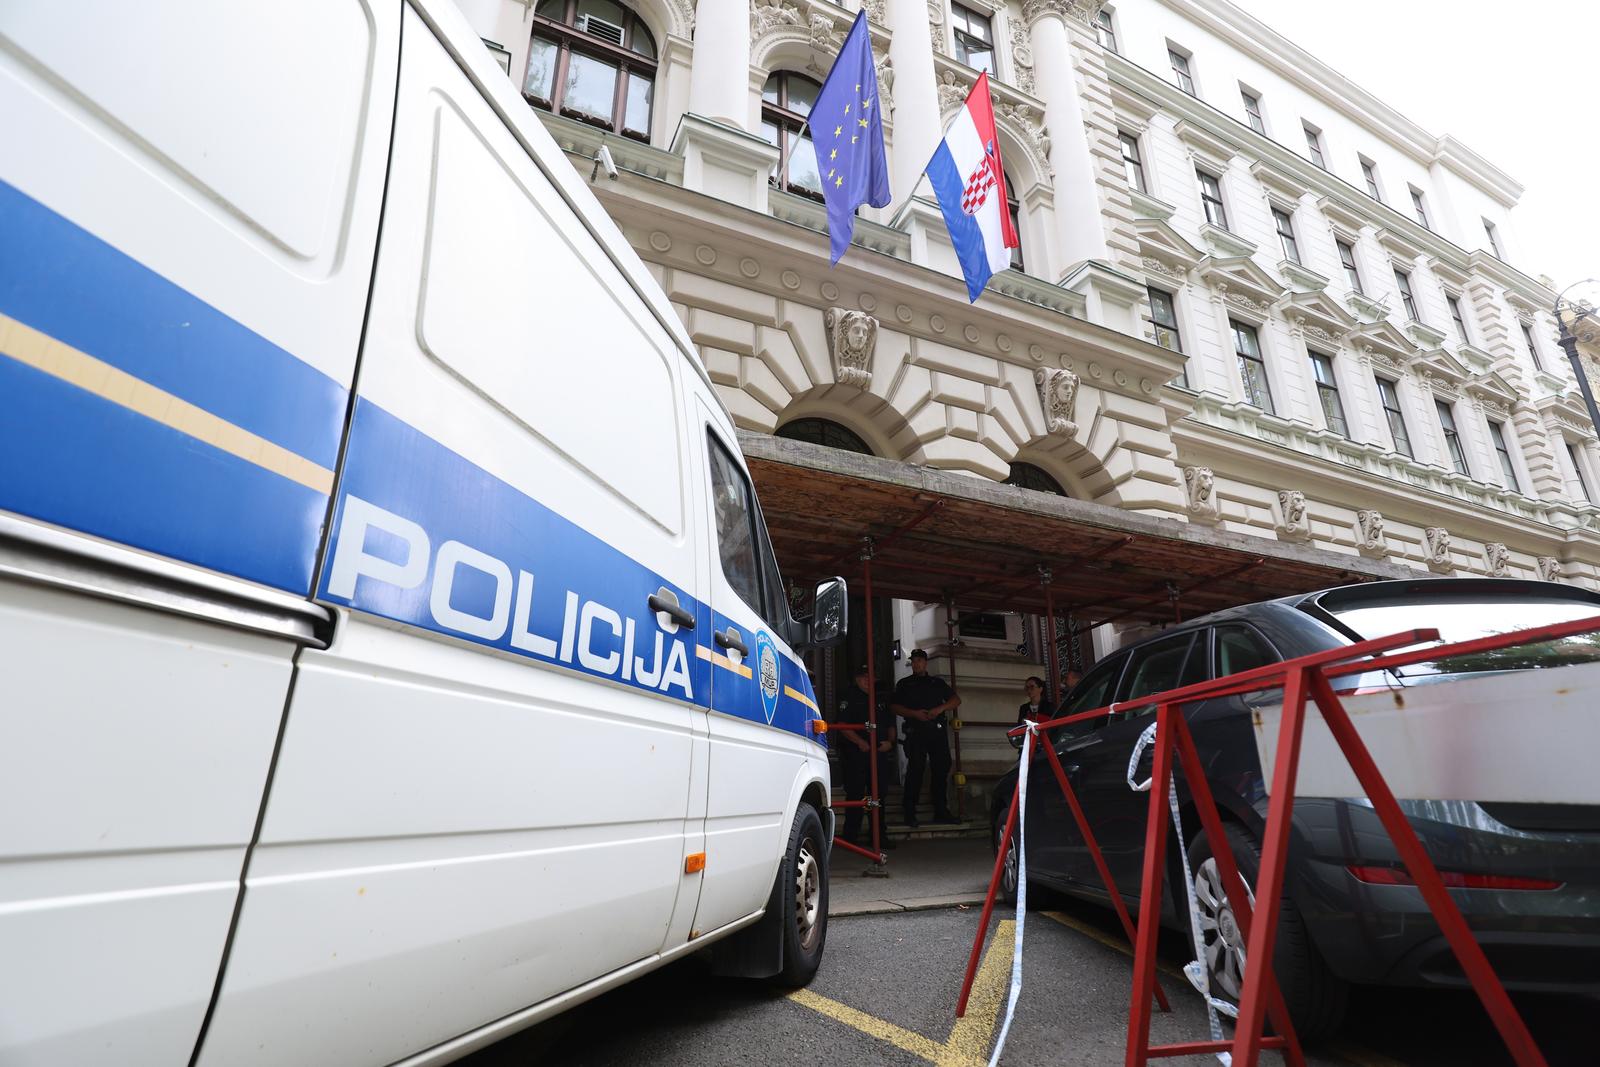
(938, 536)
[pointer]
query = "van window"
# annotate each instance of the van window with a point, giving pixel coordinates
(731, 499)
(1240, 648)
(1155, 668)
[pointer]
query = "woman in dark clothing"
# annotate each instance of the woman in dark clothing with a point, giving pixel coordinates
(1037, 707)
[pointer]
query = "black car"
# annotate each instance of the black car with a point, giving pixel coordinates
(1529, 874)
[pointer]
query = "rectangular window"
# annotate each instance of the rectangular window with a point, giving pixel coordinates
(1180, 70)
(1285, 225)
(1419, 207)
(1577, 469)
(1457, 318)
(1533, 349)
(1369, 173)
(1107, 32)
(1452, 439)
(1389, 395)
(736, 535)
(1252, 111)
(1497, 433)
(1328, 393)
(1494, 242)
(1164, 320)
(1252, 369)
(1211, 196)
(1407, 299)
(1314, 147)
(974, 38)
(1132, 165)
(1347, 259)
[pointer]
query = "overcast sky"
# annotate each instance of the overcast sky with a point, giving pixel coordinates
(1518, 82)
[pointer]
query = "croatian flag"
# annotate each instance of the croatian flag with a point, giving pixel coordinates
(971, 186)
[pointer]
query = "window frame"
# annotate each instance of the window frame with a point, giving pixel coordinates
(1458, 317)
(772, 605)
(1314, 148)
(792, 126)
(1532, 345)
(1283, 223)
(1369, 173)
(1352, 269)
(1128, 140)
(1034, 478)
(1182, 66)
(1220, 220)
(1214, 663)
(1253, 116)
(1408, 297)
(1328, 388)
(568, 39)
(1399, 432)
(1241, 330)
(1508, 467)
(1106, 30)
(1453, 448)
(1490, 231)
(962, 19)
(1577, 469)
(1137, 658)
(1419, 207)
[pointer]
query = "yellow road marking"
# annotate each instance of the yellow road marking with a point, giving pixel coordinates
(44, 353)
(889, 1033)
(968, 1043)
(790, 690)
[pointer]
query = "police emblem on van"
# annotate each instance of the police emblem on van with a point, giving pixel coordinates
(767, 674)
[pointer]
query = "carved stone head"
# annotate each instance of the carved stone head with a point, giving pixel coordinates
(852, 337)
(1498, 558)
(1369, 532)
(1292, 521)
(1200, 485)
(1058, 391)
(1549, 569)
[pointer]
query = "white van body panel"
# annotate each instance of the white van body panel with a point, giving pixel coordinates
(113, 916)
(381, 750)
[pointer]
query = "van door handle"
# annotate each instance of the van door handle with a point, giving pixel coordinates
(667, 601)
(731, 639)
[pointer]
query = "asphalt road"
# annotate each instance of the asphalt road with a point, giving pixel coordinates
(887, 990)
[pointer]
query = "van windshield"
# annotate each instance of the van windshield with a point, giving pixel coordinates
(1459, 618)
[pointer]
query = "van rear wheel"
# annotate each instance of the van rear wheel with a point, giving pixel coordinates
(803, 898)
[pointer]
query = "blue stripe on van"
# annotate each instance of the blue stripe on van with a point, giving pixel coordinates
(81, 461)
(63, 281)
(390, 465)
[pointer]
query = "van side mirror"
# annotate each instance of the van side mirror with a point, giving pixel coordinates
(830, 614)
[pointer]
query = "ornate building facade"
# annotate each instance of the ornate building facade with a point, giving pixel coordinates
(1249, 293)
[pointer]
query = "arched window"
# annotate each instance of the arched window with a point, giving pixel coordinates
(595, 61)
(786, 102)
(825, 432)
(1027, 476)
(1015, 207)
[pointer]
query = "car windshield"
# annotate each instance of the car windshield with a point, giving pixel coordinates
(1464, 618)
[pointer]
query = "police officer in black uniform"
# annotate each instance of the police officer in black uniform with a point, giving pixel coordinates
(856, 747)
(924, 701)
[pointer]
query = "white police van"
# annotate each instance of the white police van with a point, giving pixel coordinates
(391, 651)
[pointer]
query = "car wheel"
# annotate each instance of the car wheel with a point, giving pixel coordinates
(1008, 870)
(803, 896)
(1315, 997)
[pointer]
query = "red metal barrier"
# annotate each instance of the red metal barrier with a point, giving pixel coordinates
(1302, 679)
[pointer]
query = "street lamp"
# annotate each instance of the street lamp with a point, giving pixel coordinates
(1578, 310)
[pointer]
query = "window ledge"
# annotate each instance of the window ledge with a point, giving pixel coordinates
(1298, 276)
(1475, 357)
(1225, 244)
(1424, 335)
(1146, 206)
(1366, 306)
(581, 141)
(813, 215)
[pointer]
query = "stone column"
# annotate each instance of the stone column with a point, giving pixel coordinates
(1082, 234)
(719, 78)
(917, 128)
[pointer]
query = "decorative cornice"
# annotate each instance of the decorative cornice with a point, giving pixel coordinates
(1083, 12)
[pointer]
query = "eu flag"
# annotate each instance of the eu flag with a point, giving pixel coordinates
(847, 130)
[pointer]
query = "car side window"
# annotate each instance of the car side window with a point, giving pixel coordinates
(736, 533)
(1155, 668)
(1240, 648)
(1095, 691)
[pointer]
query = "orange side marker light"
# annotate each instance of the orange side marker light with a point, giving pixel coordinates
(819, 726)
(694, 863)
